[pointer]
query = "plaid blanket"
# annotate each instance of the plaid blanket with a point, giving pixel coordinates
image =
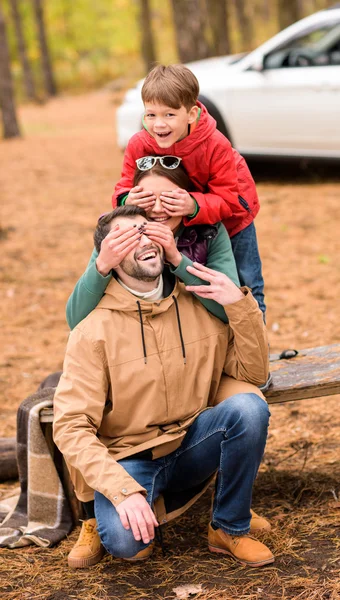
(42, 515)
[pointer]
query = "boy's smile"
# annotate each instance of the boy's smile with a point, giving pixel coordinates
(168, 125)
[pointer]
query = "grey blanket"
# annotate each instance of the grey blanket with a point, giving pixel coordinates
(42, 515)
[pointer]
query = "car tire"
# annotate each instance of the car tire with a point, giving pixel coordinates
(215, 113)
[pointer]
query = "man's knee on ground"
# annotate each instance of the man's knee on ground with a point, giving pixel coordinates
(119, 541)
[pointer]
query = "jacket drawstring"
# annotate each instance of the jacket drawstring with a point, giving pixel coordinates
(180, 329)
(142, 331)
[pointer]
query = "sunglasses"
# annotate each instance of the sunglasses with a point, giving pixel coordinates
(147, 162)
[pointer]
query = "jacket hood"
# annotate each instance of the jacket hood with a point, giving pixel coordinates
(118, 298)
(204, 129)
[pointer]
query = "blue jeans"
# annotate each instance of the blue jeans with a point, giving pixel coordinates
(248, 262)
(229, 438)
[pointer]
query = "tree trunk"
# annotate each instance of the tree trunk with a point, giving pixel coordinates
(288, 12)
(8, 459)
(7, 103)
(147, 41)
(245, 23)
(190, 29)
(50, 85)
(218, 18)
(26, 68)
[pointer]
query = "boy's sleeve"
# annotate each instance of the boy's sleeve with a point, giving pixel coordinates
(220, 258)
(221, 200)
(125, 183)
(88, 291)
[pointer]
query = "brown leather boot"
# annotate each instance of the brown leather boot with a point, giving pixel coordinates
(143, 554)
(258, 523)
(88, 549)
(247, 550)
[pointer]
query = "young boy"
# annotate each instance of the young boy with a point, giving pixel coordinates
(176, 124)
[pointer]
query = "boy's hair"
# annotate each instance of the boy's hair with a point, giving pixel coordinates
(174, 86)
(178, 176)
(104, 223)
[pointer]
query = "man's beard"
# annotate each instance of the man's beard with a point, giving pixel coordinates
(139, 271)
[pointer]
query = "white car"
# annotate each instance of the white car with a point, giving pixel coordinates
(282, 99)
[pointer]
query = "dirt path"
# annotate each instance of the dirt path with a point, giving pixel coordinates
(53, 184)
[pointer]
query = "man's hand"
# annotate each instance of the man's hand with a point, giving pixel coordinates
(115, 246)
(221, 288)
(162, 235)
(139, 197)
(136, 514)
(178, 203)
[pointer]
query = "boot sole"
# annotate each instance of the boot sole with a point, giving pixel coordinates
(82, 563)
(260, 563)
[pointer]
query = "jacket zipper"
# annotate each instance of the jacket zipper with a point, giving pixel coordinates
(244, 203)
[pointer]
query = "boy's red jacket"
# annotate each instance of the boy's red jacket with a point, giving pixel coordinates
(225, 188)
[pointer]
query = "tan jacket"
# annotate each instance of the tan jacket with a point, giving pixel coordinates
(130, 384)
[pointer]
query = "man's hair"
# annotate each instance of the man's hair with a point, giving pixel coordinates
(178, 176)
(104, 223)
(174, 86)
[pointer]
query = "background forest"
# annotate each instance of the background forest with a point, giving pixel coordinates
(74, 45)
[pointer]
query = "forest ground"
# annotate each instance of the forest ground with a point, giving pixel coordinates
(54, 184)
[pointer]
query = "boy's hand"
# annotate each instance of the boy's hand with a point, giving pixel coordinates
(139, 197)
(221, 288)
(115, 246)
(162, 235)
(178, 203)
(136, 514)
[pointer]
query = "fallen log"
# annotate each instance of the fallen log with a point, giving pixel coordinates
(8, 459)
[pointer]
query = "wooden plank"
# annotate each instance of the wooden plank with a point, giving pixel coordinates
(313, 373)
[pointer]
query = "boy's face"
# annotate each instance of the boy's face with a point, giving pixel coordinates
(168, 125)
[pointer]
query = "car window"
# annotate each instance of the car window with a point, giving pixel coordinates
(319, 46)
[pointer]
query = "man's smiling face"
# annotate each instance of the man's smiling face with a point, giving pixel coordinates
(144, 263)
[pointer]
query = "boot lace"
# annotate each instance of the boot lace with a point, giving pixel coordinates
(87, 533)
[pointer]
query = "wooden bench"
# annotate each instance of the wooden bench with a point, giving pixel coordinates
(312, 373)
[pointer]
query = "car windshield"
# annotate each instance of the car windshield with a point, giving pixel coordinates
(317, 46)
(317, 38)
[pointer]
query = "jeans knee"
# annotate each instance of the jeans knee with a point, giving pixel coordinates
(119, 542)
(249, 411)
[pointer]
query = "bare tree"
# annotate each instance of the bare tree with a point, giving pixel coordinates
(245, 23)
(289, 11)
(7, 103)
(190, 30)
(219, 23)
(49, 80)
(26, 67)
(147, 41)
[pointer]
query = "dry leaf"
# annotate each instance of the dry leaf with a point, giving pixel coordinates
(185, 591)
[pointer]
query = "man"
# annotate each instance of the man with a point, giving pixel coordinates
(144, 412)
